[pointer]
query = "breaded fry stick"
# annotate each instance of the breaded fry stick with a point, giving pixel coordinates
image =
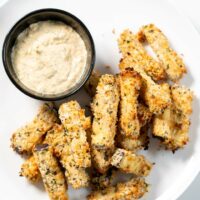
(104, 108)
(92, 83)
(131, 190)
(130, 83)
(76, 117)
(24, 139)
(172, 130)
(182, 98)
(134, 144)
(131, 163)
(130, 46)
(54, 137)
(170, 60)
(75, 156)
(53, 177)
(57, 138)
(173, 125)
(30, 170)
(153, 94)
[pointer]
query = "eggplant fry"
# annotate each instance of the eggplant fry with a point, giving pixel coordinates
(30, 170)
(104, 108)
(54, 137)
(52, 175)
(75, 156)
(152, 93)
(24, 139)
(129, 162)
(130, 46)
(135, 144)
(131, 190)
(171, 61)
(182, 98)
(130, 83)
(172, 126)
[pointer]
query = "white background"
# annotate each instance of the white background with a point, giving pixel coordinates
(191, 8)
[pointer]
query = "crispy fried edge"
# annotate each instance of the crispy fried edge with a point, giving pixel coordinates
(52, 175)
(24, 139)
(130, 46)
(129, 162)
(170, 60)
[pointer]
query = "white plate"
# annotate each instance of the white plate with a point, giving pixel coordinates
(172, 173)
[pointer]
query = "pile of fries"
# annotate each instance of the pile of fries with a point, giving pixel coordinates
(144, 97)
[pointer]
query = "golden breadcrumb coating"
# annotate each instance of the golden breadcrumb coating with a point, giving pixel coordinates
(104, 108)
(172, 130)
(130, 46)
(144, 114)
(24, 139)
(182, 98)
(131, 190)
(77, 177)
(92, 83)
(102, 158)
(75, 156)
(71, 114)
(129, 162)
(171, 61)
(52, 175)
(129, 83)
(30, 170)
(54, 137)
(58, 139)
(163, 124)
(152, 93)
(173, 125)
(134, 144)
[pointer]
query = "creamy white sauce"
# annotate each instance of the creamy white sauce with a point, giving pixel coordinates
(49, 57)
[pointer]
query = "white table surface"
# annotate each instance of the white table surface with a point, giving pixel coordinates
(190, 8)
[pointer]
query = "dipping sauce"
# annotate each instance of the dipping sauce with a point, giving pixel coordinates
(49, 57)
